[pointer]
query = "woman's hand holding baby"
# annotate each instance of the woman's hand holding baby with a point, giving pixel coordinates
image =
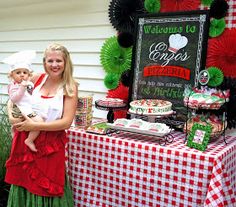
(27, 125)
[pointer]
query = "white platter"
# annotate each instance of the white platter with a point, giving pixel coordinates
(140, 131)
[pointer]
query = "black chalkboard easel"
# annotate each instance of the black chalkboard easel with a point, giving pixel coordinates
(169, 51)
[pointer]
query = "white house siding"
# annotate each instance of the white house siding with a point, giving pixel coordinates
(82, 26)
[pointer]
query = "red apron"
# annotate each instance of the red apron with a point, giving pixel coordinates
(41, 173)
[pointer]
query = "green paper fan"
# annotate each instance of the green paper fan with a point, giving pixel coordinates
(152, 6)
(216, 76)
(111, 80)
(114, 58)
(206, 2)
(217, 27)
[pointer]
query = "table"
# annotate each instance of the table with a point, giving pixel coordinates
(128, 169)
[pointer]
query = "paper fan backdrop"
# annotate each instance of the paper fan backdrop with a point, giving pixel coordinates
(218, 9)
(179, 5)
(114, 58)
(125, 39)
(216, 76)
(122, 14)
(152, 6)
(206, 2)
(121, 92)
(217, 27)
(126, 78)
(222, 53)
(111, 80)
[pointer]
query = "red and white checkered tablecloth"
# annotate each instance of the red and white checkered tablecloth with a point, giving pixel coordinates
(133, 170)
(231, 14)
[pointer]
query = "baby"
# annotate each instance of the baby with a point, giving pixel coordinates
(20, 90)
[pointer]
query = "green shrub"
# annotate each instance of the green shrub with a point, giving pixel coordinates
(5, 140)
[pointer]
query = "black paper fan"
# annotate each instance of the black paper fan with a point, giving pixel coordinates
(219, 9)
(125, 39)
(122, 14)
(230, 83)
(125, 78)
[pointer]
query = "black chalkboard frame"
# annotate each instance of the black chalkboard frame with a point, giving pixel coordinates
(138, 44)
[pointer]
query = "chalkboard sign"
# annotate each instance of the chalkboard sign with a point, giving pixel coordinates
(169, 51)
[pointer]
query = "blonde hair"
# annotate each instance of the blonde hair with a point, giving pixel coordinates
(68, 82)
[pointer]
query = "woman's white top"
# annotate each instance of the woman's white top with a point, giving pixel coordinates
(50, 108)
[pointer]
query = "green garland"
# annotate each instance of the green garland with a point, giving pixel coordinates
(114, 58)
(217, 27)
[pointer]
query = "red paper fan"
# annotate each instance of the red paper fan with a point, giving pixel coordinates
(121, 92)
(179, 5)
(222, 53)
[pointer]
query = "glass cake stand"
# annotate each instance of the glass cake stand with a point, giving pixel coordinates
(111, 108)
(152, 117)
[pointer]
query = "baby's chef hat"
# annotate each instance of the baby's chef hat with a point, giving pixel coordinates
(22, 59)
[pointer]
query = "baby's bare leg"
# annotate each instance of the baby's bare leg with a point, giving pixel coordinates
(29, 141)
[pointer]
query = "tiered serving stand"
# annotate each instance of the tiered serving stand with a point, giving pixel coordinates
(110, 109)
(192, 110)
(163, 138)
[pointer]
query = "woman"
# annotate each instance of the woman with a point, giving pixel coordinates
(38, 178)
